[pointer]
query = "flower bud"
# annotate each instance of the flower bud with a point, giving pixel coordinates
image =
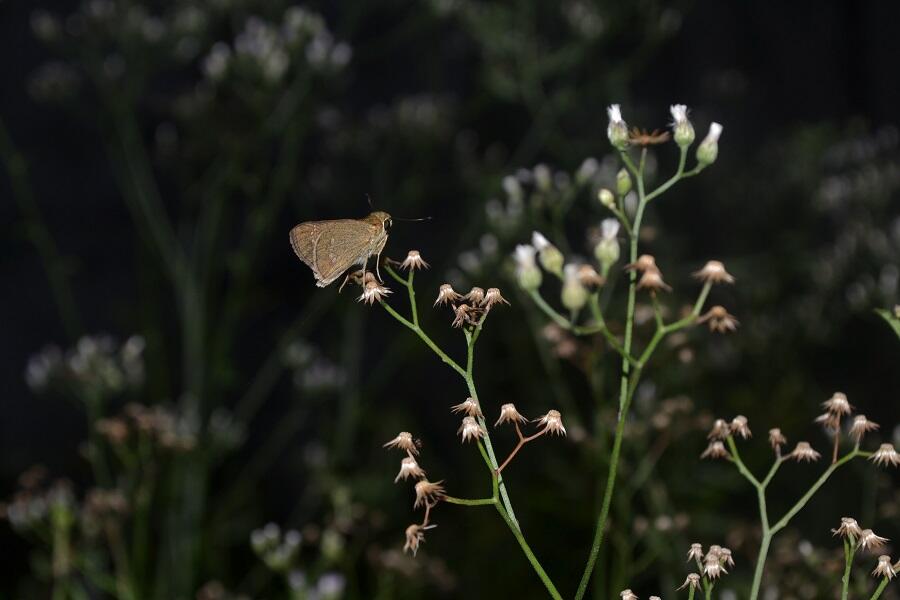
(607, 249)
(623, 182)
(617, 131)
(574, 294)
(527, 271)
(681, 128)
(607, 199)
(708, 149)
(550, 256)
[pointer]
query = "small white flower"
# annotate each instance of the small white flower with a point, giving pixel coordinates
(539, 241)
(679, 113)
(609, 229)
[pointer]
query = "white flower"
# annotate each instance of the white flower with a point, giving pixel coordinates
(679, 113)
(609, 229)
(539, 241)
(525, 256)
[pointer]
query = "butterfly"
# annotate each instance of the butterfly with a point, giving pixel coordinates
(329, 248)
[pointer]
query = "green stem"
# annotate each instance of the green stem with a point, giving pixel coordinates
(469, 501)
(551, 589)
(849, 552)
(424, 337)
(877, 593)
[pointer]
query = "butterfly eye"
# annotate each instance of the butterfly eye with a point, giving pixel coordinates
(388, 223)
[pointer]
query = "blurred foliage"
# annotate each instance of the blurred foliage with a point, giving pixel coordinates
(247, 396)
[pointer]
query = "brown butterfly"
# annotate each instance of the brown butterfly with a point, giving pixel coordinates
(329, 248)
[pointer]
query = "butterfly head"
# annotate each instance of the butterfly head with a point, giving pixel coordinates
(381, 219)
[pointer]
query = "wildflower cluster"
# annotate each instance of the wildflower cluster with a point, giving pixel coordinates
(856, 538)
(837, 409)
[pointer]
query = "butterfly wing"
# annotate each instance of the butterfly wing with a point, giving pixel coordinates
(331, 247)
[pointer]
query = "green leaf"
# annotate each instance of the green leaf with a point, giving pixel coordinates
(892, 320)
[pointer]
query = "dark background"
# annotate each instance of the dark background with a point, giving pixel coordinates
(808, 95)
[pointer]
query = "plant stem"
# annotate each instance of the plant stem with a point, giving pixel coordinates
(551, 589)
(849, 552)
(470, 502)
(877, 593)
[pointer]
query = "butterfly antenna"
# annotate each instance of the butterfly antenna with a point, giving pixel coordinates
(371, 204)
(412, 220)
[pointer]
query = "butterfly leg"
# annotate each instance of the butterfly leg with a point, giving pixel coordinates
(354, 276)
(377, 265)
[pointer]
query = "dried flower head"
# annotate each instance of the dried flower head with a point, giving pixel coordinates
(712, 565)
(628, 595)
(403, 441)
(492, 297)
(509, 414)
(719, 320)
(428, 492)
(409, 468)
(447, 295)
(643, 263)
(716, 449)
(468, 406)
(695, 553)
(413, 261)
(692, 582)
(714, 272)
(652, 280)
(868, 540)
(415, 534)
(838, 404)
(470, 429)
(803, 452)
(643, 137)
(475, 296)
(589, 277)
(465, 315)
(552, 422)
(373, 292)
(720, 430)
(885, 567)
(739, 426)
(830, 421)
(848, 528)
(861, 426)
(725, 557)
(886, 455)
(776, 439)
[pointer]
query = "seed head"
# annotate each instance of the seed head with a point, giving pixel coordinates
(885, 567)
(803, 452)
(409, 468)
(868, 539)
(552, 423)
(470, 429)
(475, 296)
(465, 315)
(415, 534)
(861, 426)
(830, 421)
(413, 261)
(886, 455)
(740, 427)
(838, 404)
(403, 441)
(628, 595)
(848, 528)
(589, 277)
(428, 492)
(652, 280)
(695, 553)
(643, 263)
(373, 292)
(720, 430)
(509, 414)
(712, 565)
(714, 272)
(776, 439)
(692, 582)
(716, 449)
(468, 406)
(446, 294)
(492, 297)
(719, 320)
(725, 557)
